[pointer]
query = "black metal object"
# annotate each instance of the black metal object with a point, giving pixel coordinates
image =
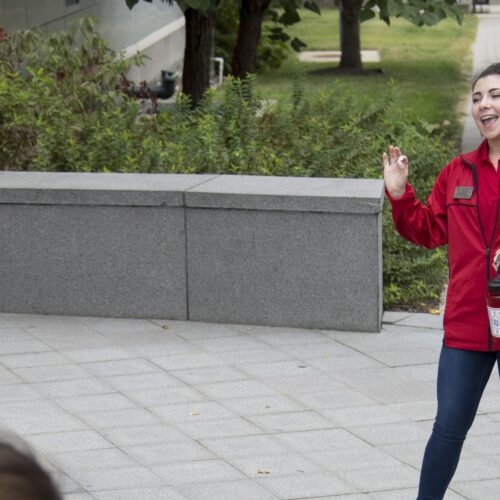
(163, 91)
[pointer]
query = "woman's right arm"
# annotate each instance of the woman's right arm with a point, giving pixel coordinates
(418, 223)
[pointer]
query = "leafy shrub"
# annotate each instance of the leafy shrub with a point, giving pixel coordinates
(53, 89)
(67, 114)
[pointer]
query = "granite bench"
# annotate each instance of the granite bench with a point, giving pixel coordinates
(278, 251)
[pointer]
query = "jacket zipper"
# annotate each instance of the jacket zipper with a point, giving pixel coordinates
(488, 246)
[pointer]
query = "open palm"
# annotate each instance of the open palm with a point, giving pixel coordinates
(395, 171)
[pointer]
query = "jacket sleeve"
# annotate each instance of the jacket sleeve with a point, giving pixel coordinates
(424, 225)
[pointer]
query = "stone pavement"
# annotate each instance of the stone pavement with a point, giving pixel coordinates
(485, 51)
(154, 410)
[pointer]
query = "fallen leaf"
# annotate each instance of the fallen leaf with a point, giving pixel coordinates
(434, 311)
(165, 327)
(264, 471)
(194, 413)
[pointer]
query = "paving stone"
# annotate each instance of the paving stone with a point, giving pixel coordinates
(363, 415)
(394, 316)
(119, 418)
(68, 388)
(261, 355)
(91, 459)
(475, 468)
(382, 478)
(322, 440)
(334, 399)
(227, 490)
(142, 381)
(421, 373)
(311, 381)
(327, 349)
(346, 363)
(30, 360)
(421, 320)
(167, 347)
(51, 373)
(278, 336)
(262, 405)
(245, 446)
(121, 478)
(171, 452)
(109, 353)
(18, 392)
(23, 347)
(60, 442)
(277, 369)
(196, 359)
(409, 453)
(65, 484)
(81, 342)
(478, 490)
(35, 424)
(120, 367)
(363, 457)
(161, 493)
(193, 330)
(239, 388)
(292, 421)
(218, 428)
(79, 496)
(192, 412)
(165, 396)
(8, 377)
(119, 325)
(95, 402)
(201, 471)
(209, 375)
(391, 432)
(144, 434)
(405, 358)
(301, 486)
(239, 343)
(275, 465)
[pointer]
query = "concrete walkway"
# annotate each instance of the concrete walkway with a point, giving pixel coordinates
(153, 410)
(486, 50)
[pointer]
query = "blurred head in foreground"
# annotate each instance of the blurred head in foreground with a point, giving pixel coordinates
(21, 477)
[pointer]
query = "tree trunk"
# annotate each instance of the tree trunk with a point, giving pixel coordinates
(198, 53)
(249, 31)
(350, 43)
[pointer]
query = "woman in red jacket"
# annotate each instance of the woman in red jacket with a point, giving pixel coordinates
(462, 211)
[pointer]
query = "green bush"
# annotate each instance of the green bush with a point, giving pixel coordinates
(54, 118)
(54, 90)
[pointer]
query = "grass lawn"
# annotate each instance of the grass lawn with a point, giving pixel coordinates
(429, 65)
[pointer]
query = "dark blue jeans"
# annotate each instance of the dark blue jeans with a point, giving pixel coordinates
(462, 377)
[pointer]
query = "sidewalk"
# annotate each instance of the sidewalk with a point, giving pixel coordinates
(153, 410)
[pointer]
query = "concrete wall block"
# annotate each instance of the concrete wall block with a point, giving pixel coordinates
(307, 270)
(91, 260)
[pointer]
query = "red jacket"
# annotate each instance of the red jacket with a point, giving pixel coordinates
(451, 216)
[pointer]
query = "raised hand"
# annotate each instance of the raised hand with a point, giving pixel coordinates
(395, 172)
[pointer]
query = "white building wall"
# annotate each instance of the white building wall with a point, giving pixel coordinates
(156, 29)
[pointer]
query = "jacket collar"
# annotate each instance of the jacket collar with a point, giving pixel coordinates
(477, 156)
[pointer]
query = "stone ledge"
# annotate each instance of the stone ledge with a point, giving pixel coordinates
(193, 190)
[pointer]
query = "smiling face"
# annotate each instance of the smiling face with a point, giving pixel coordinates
(486, 107)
